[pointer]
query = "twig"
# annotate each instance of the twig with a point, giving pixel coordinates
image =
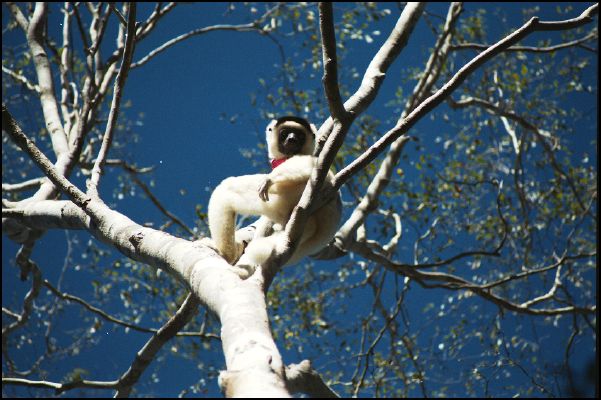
(540, 136)
(95, 310)
(27, 266)
(120, 16)
(161, 208)
(330, 62)
(22, 79)
(19, 17)
(378, 67)
(302, 378)
(425, 107)
(148, 352)
(531, 49)
(35, 35)
(114, 111)
(252, 26)
(22, 186)
(60, 387)
(10, 126)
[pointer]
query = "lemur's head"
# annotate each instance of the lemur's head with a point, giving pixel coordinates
(288, 136)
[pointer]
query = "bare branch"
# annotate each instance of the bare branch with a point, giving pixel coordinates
(147, 26)
(20, 78)
(302, 378)
(115, 162)
(60, 387)
(333, 141)
(84, 38)
(158, 204)
(539, 134)
(68, 91)
(330, 63)
(117, 93)
(388, 320)
(142, 30)
(14, 131)
(22, 186)
(584, 18)
(10, 313)
(35, 34)
(377, 68)
(530, 49)
(453, 282)
(27, 266)
(534, 271)
(95, 310)
(398, 227)
(252, 26)
(145, 356)
(104, 315)
(120, 16)
(496, 252)
(433, 101)
(18, 15)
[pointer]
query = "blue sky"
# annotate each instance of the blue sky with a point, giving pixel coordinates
(187, 96)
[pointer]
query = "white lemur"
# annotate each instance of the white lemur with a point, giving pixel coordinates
(290, 143)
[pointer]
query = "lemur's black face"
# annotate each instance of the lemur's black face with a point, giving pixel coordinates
(291, 139)
(289, 136)
(292, 133)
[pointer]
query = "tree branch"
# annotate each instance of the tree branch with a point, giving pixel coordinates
(10, 126)
(201, 269)
(35, 34)
(380, 181)
(120, 16)
(377, 68)
(453, 282)
(60, 387)
(26, 266)
(333, 141)
(433, 101)
(302, 378)
(22, 186)
(530, 49)
(18, 15)
(330, 63)
(539, 134)
(116, 103)
(22, 79)
(145, 356)
(252, 26)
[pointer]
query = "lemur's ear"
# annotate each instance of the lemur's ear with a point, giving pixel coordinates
(271, 124)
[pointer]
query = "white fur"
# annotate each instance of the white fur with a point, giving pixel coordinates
(239, 195)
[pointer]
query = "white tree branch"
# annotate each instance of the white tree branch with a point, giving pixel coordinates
(35, 33)
(302, 378)
(377, 68)
(531, 49)
(434, 100)
(149, 351)
(254, 364)
(252, 26)
(20, 78)
(116, 102)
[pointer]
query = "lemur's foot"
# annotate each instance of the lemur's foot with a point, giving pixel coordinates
(245, 271)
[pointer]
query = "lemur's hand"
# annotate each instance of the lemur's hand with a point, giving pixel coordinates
(264, 189)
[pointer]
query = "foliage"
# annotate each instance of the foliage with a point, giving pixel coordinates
(498, 187)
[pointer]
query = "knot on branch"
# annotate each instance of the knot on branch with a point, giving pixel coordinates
(302, 378)
(136, 239)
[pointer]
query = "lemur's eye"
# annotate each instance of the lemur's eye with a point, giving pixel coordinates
(287, 132)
